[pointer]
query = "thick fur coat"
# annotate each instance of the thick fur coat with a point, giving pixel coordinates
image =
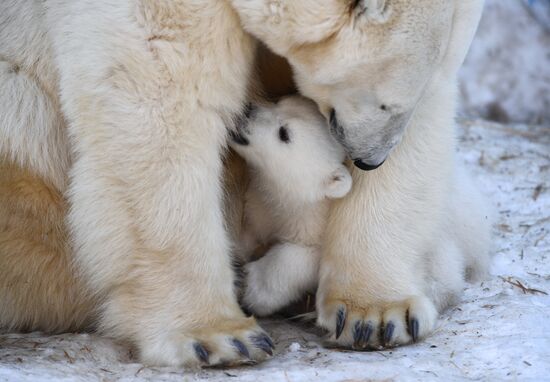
(113, 120)
(383, 72)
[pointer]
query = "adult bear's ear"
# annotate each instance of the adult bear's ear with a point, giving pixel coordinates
(286, 24)
(373, 10)
(339, 183)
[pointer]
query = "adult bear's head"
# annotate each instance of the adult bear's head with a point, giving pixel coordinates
(367, 63)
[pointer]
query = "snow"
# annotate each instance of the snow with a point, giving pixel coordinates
(498, 332)
(505, 76)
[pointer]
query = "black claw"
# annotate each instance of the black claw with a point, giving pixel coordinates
(269, 341)
(340, 321)
(241, 348)
(388, 332)
(361, 334)
(357, 333)
(201, 352)
(263, 342)
(414, 328)
(368, 332)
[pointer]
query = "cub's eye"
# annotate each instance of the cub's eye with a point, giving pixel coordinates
(283, 134)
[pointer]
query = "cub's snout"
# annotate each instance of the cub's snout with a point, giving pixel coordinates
(240, 134)
(239, 137)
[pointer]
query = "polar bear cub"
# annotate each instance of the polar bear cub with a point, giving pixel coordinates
(295, 169)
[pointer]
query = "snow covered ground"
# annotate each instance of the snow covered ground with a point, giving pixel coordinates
(501, 330)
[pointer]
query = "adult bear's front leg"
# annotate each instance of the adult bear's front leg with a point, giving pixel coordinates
(155, 249)
(377, 286)
(375, 267)
(146, 87)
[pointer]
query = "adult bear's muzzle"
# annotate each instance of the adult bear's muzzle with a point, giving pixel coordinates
(368, 143)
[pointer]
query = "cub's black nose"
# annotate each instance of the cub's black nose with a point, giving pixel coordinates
(367, 166)
(248, 109)
(238, 138)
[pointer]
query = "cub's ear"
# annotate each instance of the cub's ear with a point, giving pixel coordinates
(339, 183)
(375, 10)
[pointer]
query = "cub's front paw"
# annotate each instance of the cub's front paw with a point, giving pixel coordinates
(373, 326)
(226, 343)
(257, 296)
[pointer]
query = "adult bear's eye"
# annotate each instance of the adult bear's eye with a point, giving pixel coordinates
(283, 134)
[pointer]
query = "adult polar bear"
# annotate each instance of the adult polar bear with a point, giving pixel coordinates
(144, 90)
(399, 246)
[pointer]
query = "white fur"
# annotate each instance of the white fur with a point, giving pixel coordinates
(146, 89)
(287, 200)
(400, 244)
(122, 106)
(32, 127)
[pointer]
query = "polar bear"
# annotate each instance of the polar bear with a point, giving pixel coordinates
(295, 168)
(383, 73)
(115, 113)
(118, 112)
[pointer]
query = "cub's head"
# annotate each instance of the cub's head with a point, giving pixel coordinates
(289, 147)
(366, 63)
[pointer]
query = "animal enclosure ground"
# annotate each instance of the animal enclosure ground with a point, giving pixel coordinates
(500, 331)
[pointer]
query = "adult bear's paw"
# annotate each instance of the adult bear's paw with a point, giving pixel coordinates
(225, 343)
(362, 326)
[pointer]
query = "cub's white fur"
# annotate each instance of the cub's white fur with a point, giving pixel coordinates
(295, 168)
(383, 73)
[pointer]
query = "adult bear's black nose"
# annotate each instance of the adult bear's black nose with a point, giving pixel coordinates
(359, 163)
